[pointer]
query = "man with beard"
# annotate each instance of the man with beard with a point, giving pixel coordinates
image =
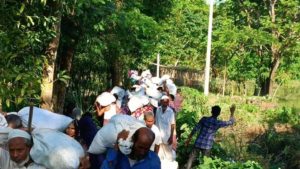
(141, 157)
(17, 156)
(165, 121)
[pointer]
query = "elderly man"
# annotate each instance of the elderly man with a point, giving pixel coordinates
(19, 145)
(141, 157)
(165, 121)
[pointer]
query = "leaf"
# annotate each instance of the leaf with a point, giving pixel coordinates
(30, 19)
(22, 8)
(7, 102)
(18, 77)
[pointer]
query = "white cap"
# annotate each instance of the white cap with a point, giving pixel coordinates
(14, 133)
(164, 97)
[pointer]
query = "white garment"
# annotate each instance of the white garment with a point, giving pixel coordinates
(111, 112)
(7, 163)
(164, 120)
(157, 140)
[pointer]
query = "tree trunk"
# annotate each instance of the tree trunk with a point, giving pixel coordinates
(275, 51)
(60, 88)
(49, 69)
(224, 80)
(70, 34)
(117, 73)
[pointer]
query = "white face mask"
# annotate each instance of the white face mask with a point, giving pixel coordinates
(125, 146)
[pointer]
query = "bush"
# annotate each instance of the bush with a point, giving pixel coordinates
(218, 163)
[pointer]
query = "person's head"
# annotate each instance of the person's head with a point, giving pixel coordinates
(72, 130)
(14, 121)
(172, 97)
(164, 101)
(76, 113)
(215, 111)
(142, 141)
(149, 119)
(19, 145)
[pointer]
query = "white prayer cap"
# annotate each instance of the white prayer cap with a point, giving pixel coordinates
(14, 133)
(105, 99)
(15, 113)
(164, 97)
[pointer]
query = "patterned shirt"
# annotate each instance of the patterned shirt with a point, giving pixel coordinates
(208, 127)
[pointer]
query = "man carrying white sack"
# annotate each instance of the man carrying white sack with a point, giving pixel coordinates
(19, 145)
(140, 157)
(165, 121)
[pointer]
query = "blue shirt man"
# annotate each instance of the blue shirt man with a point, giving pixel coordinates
(140, 157)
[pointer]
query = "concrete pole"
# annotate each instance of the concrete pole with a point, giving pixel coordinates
(157, 65)
(207, 65)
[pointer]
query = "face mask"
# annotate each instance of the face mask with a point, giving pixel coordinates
(125, 146)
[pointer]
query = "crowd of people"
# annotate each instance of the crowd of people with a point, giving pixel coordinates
(152, 100)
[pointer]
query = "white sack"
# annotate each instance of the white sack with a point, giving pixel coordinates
(107, 135)
(55, 150)
(156, 80)
(144, 99)
(146, 74)
(119, 91)
(3, 122)
(154, 93)
(134, 103)
(165, 77)
(105, 99)
(4, 136)
(172, 89)
(42, 118)
(166, 164)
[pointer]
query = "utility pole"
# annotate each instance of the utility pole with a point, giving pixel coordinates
(157, 65)
(207, 65)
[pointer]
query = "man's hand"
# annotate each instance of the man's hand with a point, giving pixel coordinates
(107, 108)
(187, 142)
(85, 163)
(122, 135)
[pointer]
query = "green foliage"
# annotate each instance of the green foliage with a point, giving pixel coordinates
(217, 163)
(183, 36)
(283, 115)
(24, 33)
